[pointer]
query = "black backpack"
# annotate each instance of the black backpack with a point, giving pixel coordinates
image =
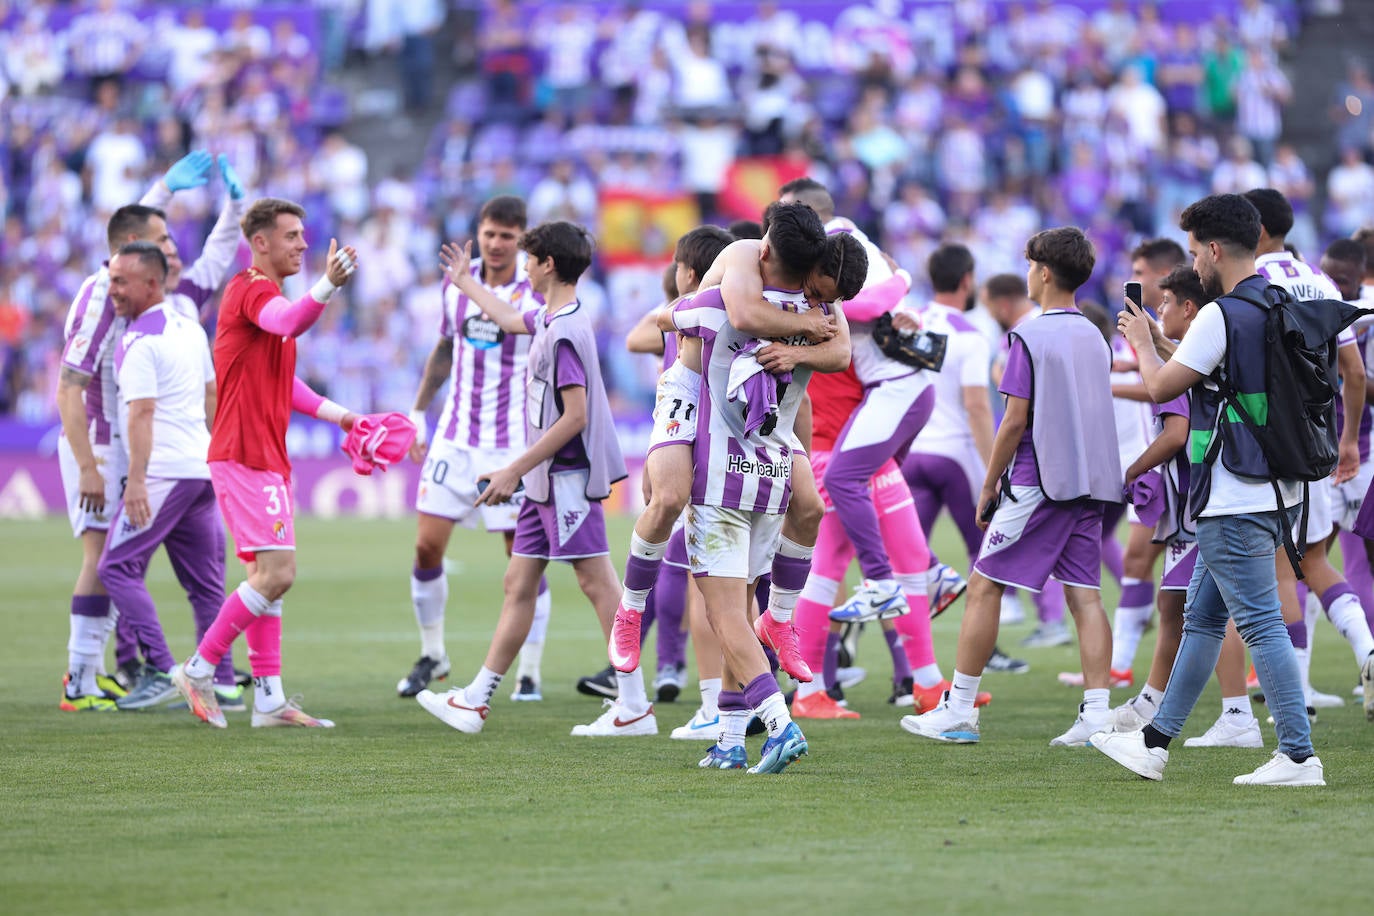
(1298, 434)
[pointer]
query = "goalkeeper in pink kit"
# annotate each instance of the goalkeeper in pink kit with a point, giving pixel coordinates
(255, 365)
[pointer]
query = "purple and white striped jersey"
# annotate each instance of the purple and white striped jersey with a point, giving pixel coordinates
(202, 280)
(1282, 269)
(734, 470)
(92, 329)
(486, 399)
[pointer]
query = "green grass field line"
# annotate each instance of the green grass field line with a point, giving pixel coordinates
(393, 812)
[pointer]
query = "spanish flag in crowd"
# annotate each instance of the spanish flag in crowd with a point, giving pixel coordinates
(752, 183)
(637, 227)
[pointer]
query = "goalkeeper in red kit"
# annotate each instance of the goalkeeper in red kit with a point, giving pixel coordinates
(255, 367)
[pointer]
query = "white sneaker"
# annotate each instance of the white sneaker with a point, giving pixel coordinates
(944, 585)
(616, 721)
(1366, 688)
(1230, 730)
(698, 728)
(1011, 613)
(1282, 771)
(1318, 700)
(1129, 750)
(1083, 729)
(849, 677)
(1127, 717)
(944, 724)
(872, 601)
(452, 708)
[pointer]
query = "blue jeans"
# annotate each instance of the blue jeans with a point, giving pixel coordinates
(1235, 577)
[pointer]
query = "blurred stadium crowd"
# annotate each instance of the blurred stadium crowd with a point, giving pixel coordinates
(972, 121)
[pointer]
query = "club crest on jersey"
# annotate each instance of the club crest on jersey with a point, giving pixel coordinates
(279, 530)
(482, 333)
(76, 351)
(672, 428)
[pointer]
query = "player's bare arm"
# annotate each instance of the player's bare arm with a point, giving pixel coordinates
(1351, 367)
(457, 263)
(140, 451)
(437, 369)
(71, 407)
(737, 272)
(211, 403)
(1173, 437)
(502, 484)
(646, 336)
(1009, 433)
(832, 355)
(1163, 380)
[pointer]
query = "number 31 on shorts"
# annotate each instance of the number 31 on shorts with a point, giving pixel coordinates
(278, 500)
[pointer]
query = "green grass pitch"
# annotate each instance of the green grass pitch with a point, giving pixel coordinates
(394, 812)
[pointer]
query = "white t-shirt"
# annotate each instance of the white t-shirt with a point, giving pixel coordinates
(1202, 350)
(162, 355)
(967, 359)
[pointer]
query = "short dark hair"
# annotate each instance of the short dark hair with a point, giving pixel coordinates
(1160, 252)
(129, 220)
(947, 266)
(746, 229)
(697, 250)
(1276, 213)
(1068, 254)
(1347, 251)
(1006, 285)
(147, 254)
(670, 290)
(1095, 313)
(812, 193)
(1365, 237)
(797, 237)
(568, 244)
(1229, 219)
(1184, 283)
(263, 213)
(846, 262)
(503, 210)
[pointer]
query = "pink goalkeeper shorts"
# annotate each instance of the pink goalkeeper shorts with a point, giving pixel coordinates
(887, 487)
(256, 506)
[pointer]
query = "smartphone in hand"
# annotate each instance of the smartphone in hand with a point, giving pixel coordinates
(1134, 293)
(486, 482)
(990, 510)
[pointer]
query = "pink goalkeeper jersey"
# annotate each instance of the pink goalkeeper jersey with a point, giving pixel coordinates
(486, 400)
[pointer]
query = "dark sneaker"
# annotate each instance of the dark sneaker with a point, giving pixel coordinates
(527, 691)
(426, 670)
(128, 674)
(902, 693)
(1004, 663)
(153, 689)
(601, 684)
(668, 684)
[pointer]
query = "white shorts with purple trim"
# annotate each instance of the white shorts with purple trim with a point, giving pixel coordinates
(448, 485)
(675, 407)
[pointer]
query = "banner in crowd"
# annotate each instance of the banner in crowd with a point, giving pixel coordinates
(752, 183)
(637, 227)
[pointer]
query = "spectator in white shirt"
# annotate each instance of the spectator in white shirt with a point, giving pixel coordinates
(1349, 193)
(563, 195)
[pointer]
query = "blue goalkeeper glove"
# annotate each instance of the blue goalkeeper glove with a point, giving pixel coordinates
(231, 178)
(190, 171)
